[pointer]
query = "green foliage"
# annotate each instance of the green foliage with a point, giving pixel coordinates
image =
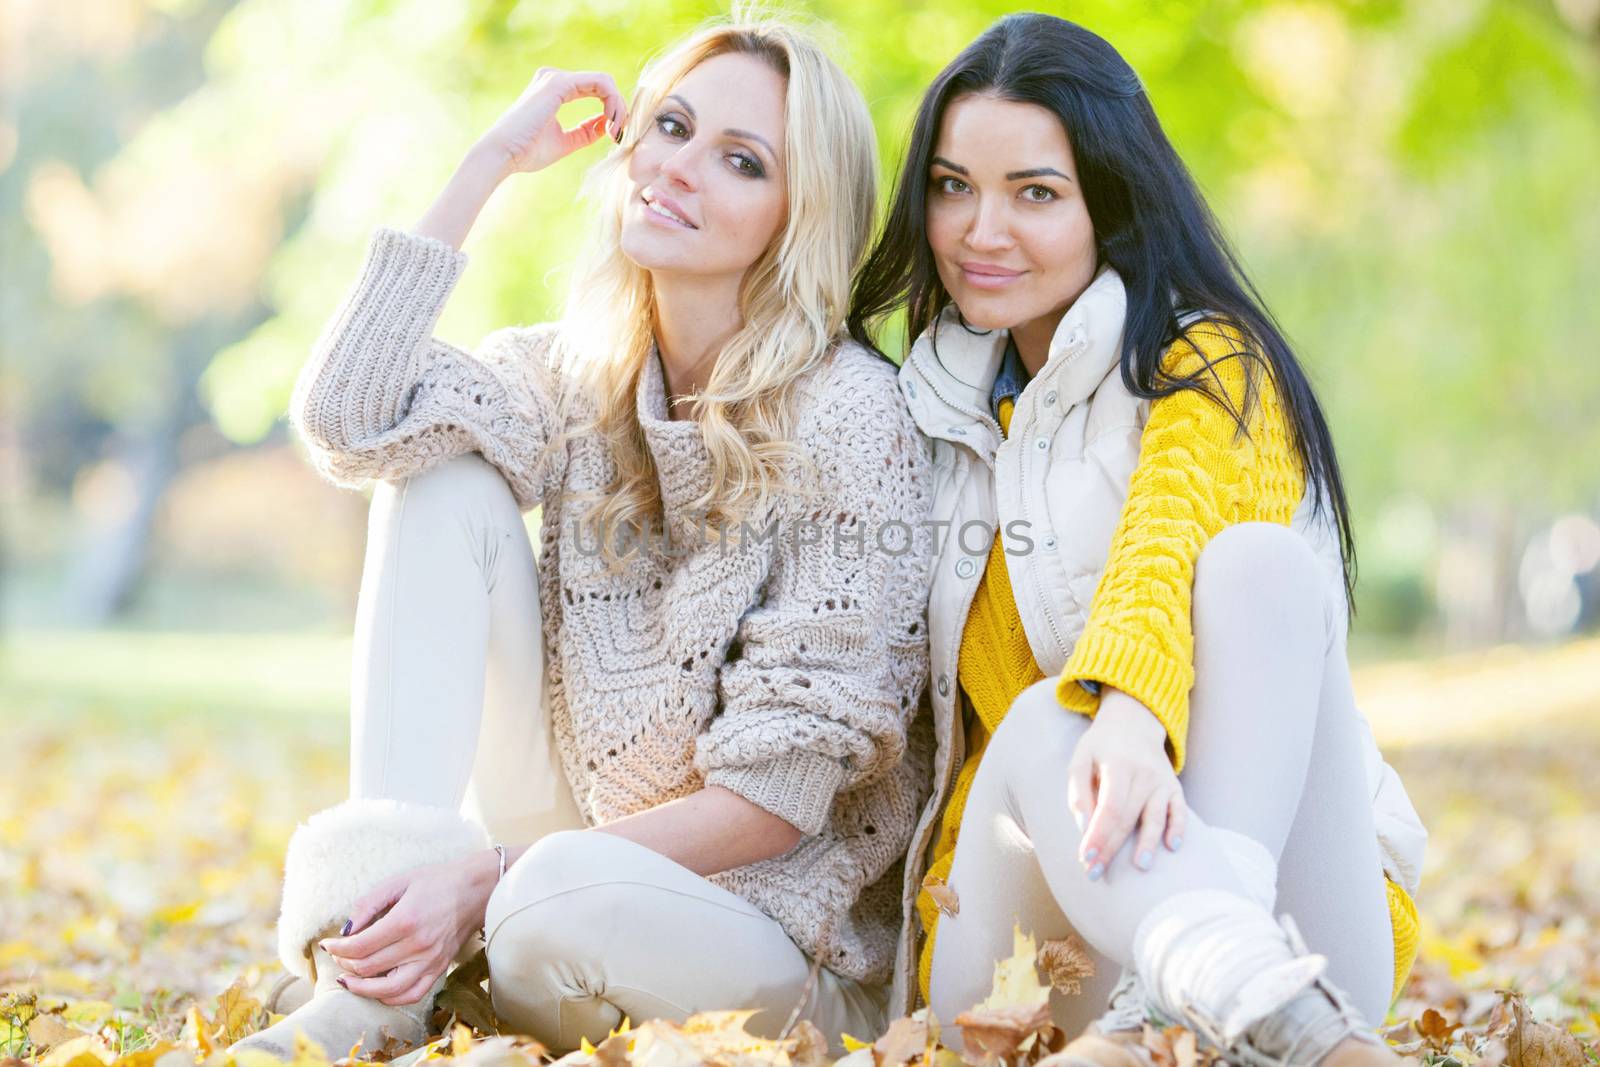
(1413, 186)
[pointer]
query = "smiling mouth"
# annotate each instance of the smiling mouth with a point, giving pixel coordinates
(989, 277)
(665, 212)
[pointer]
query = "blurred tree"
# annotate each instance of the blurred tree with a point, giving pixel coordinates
(1412, 184)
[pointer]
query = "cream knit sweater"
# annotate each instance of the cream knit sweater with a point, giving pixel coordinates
(790, 671)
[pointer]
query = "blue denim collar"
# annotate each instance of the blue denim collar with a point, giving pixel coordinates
(1010, 380)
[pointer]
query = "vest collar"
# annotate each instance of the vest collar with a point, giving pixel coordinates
(949, 374)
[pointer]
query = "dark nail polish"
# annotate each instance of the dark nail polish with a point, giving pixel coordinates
(345, 932)
(342, 983)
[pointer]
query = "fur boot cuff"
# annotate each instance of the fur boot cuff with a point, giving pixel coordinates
(341, 852)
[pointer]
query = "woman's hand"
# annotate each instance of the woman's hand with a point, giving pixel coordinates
(528, 135)
(423, 917)
(1120, 777)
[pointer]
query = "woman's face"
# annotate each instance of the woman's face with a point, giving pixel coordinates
(707, 189)
(1006, 219)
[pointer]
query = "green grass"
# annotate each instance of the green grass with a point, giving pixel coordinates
(171, 675)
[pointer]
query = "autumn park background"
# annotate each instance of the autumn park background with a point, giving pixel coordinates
(188, 187)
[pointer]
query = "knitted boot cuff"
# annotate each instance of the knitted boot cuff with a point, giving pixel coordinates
(1218, 960)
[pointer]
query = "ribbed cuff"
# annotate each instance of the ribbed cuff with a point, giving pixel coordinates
(1147, 674)
(410, 278)
(798, 786)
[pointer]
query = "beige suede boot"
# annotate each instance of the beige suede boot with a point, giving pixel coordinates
(332, 859)
(336, 1019)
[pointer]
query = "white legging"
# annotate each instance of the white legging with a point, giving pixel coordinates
(586, 928)
(1274, 755)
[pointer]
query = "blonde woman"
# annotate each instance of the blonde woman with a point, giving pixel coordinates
(673, 763)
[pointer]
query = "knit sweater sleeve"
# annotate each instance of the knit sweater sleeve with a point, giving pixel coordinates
(381, 398)
(1195, 477)
(830, 663)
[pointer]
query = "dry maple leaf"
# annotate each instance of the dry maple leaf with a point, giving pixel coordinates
(463, 998)
(1014, 1021)
(941, 893)
(1436, 1030)
(660, 1044)
(991, 1034)
(49, 1030)
(905, 1040)
(809, 1046)
(613, 1051)
(1066, 962)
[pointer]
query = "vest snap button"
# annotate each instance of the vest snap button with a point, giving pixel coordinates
(1050, 542)
(1042, 443)
(944, 686)
(1050, 399)
(965, 567)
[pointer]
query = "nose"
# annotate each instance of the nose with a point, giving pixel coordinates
(990, 230)
(681, 167)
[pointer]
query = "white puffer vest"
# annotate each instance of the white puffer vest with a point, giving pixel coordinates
(1059, 480)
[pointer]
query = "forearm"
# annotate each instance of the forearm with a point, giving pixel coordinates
(469, 189)
(708, 832)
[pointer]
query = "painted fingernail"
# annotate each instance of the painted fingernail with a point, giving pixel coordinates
(1089, 857)
(345, 932)
(343, 984)
(1096, 871)
(1176, 841)
(1146, 859)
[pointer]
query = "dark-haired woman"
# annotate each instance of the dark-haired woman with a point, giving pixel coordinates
(1147, 527)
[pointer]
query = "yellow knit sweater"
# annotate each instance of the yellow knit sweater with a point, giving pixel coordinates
(1194, 478)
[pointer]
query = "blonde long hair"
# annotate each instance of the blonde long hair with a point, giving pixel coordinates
(793, 300)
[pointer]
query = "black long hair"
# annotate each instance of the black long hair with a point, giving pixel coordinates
(1150, 223)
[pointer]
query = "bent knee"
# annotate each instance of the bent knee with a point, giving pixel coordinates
(1037, 728)
(1259, 562)
(462, 482)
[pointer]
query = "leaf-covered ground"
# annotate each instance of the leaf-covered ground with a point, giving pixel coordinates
(140, 844)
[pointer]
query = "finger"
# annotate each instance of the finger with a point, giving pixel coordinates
(1109, 825)
(1177, 820)
(394, 926)
(379, 987)
(583, 134)
(1152, 821)
(593, 83)
(379, 962)
(1080, 791)
(371, 904)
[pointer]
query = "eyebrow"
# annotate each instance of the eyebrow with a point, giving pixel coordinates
(1012, 176)
(731, 132)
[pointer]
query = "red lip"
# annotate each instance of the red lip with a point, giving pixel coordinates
(670, 205)
(988, 269)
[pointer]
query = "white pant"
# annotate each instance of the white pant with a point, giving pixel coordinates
(1274, 754)
(586, 927)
